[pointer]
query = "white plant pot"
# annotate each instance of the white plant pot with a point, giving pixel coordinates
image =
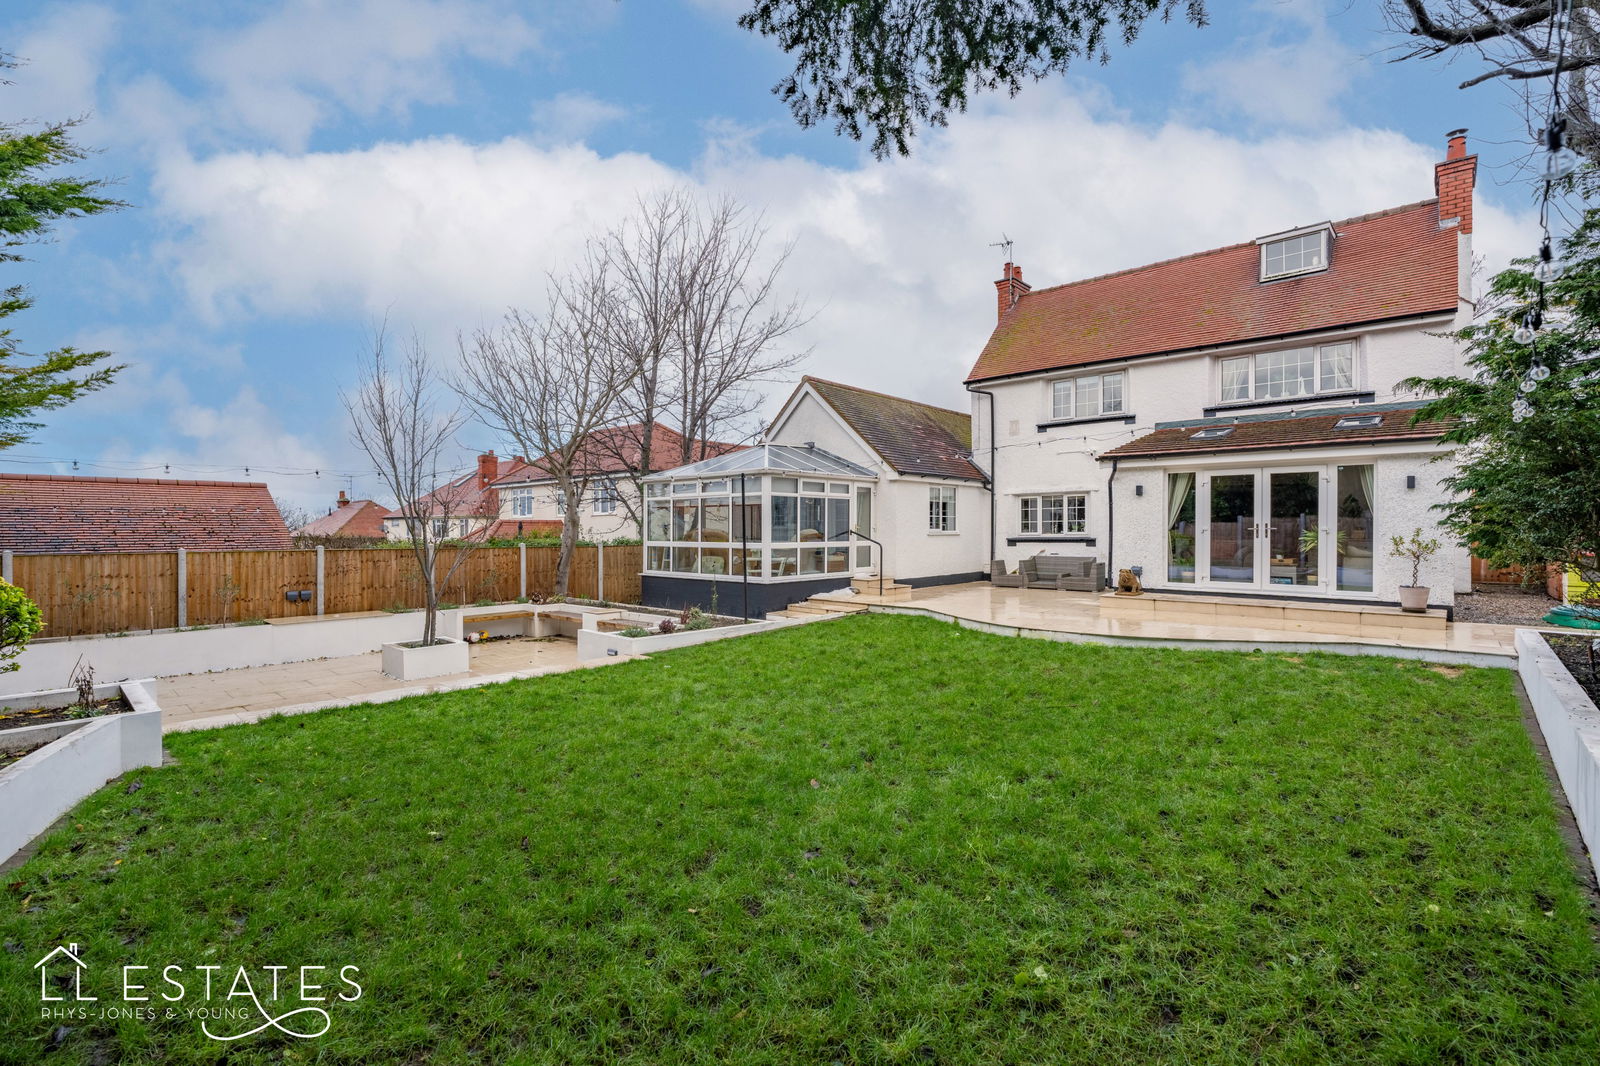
(1414, 597)
(411, 664)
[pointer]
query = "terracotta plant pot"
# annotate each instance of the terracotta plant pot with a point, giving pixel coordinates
(1413, 597)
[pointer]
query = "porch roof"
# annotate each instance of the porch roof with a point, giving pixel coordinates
(1364, 424)
(770, 459)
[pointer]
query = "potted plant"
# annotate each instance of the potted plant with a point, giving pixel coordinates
(1414, 597)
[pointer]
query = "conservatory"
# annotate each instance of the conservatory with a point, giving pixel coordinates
(759, 528)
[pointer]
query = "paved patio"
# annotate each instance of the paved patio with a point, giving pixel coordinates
(229, 697)
(1077, 614)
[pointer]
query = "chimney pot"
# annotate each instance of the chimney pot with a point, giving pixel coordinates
(1453, 181)
(343, 499)
(1010, 288)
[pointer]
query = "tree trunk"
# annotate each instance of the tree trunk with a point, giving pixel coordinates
(569, 536)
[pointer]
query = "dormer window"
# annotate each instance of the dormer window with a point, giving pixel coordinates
(1301, 251)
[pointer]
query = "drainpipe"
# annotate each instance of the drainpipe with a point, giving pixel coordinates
(992, 454)
(1111, 519)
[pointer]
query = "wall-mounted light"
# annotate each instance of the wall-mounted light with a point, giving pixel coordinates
(1411, 481)
(1138, 490)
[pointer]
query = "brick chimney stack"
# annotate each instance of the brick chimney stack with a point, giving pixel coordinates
(344, 501)
(1010, 288)
(488, 468)
(1453, 180)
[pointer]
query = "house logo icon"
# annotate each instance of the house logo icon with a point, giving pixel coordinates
(50, 961)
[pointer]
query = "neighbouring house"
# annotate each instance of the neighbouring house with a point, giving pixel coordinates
(51, 513)
(846, 481)
(464, 506)
(530, 502)
(1230, 421)
(349, 520)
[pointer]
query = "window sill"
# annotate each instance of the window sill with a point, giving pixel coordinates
(944, 532)
(1069, 538)
(1058, 422)
(1321, 397)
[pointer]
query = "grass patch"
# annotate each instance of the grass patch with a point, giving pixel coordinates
(874, 840)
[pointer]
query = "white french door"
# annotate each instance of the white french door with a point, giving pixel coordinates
(1255, 529)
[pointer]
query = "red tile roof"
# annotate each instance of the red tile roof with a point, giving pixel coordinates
(466, 495)
(1313, 429)
(352, 518)
(912, 437)
(56, 513)
(616, 451)
(1392, 264)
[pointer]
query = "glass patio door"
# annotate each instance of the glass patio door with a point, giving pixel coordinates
(1260, 529)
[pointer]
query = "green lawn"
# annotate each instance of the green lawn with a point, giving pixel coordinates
(871, 840)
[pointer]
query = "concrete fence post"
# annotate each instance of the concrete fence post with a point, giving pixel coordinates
(600, 554)
(5, 567)
(321, 562)
(183, 589)
(522, 571)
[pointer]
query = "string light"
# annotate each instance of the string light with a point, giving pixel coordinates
(1559, 161)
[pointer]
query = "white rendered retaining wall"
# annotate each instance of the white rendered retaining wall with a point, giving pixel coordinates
(1571, 726)
(49, 664)
(596, 644)
(41, 787)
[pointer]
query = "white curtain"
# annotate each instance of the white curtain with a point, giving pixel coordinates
(1369, 485)
(1178, 492)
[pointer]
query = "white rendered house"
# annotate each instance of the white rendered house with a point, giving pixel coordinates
(1231, 421)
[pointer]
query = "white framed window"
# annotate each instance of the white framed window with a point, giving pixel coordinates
(1287, 374)
(521, 502)
(941, 509)
(1301, 253)
(1089, 396)
(604, 496)
(561, 502)
(1053, 514)
(441, 528)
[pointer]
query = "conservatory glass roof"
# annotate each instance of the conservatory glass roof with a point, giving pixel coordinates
(769, 459)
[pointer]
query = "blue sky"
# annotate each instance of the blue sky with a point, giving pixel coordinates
(301, 170)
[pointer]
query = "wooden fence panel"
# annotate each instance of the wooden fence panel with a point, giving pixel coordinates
(104, 592)
(237, 586)
(122, 592)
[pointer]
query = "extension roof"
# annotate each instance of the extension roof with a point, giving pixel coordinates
(912, 437)
(1309, 429)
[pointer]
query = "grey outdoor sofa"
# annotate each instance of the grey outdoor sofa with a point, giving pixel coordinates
(998, 575)
(1065, 572)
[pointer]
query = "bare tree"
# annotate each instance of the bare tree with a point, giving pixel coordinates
(399, 422)
(294, 516)
(731, 322)
(1515, 41)
(550, 383)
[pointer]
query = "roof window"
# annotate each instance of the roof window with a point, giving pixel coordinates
(1357, 421)
(1211, 433)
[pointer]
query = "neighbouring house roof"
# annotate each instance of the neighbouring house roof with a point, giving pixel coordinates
(49, 513)
(616, 451)
(1309, 429)
(782, 459)
(352, 518)
(912, 437)
(469, 495)
(1392, 264)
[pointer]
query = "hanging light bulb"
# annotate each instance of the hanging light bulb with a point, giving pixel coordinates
(1527, 384)
(1557, 165)
(1548, 270)
(1523, 334)
(1538, 371)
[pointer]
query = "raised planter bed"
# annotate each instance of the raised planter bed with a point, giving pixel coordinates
(406, 662)
(67, 759)
(597, 643)
(1570, 722)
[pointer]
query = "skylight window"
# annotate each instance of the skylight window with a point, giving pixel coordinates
(1212, 433)
(1298, 252)
(1357, 421)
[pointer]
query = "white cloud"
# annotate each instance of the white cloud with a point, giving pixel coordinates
(61, 58)
(284, 75)
(893, 256)
(1291, 73)
(572, 116)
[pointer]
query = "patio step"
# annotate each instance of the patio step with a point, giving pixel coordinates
(1364, 620)
(824, 605)
(889, 590)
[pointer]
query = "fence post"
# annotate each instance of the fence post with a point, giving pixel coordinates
(320, 561)
(183, 589)
(5, 567)
(600, 554)
(522, 571)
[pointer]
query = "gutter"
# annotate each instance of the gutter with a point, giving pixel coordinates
(1111, 521)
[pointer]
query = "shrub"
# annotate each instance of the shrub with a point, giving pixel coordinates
(668, 626)
(20, 621)
(634, 631)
